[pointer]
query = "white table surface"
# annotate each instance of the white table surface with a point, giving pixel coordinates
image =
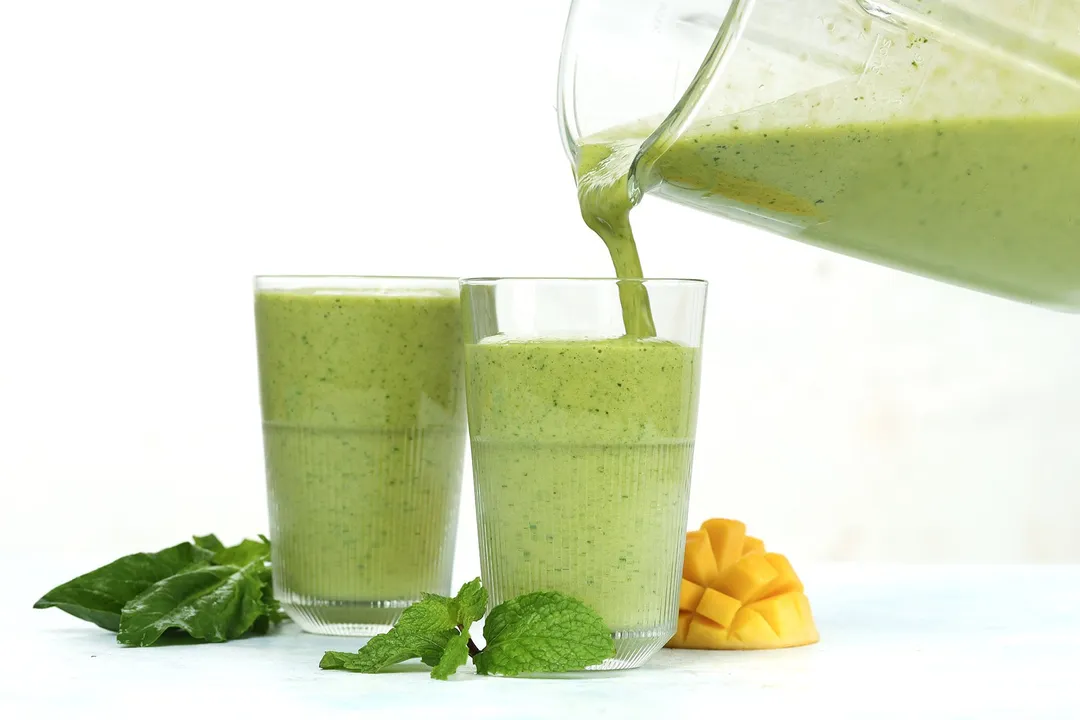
(910, 641)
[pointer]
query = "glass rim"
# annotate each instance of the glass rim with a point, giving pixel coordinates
(538, 279)
(402, 285)
(446, 278)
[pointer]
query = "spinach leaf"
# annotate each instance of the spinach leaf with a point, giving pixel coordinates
(209, 542)
(215, 604)
(100, 595)
(246, 552)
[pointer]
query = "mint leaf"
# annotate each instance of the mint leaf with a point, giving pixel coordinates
(388, 649)
(471, 603)
(99, 596)
(209, 542)
(435, 652)
(543, 632)
(334, 660)
(215, 604)
(432, 615)
(381, 652)
(454, 655)
(438, 612)
(422, 631)
(246, 552)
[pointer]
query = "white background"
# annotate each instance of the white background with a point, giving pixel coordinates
(154, 156)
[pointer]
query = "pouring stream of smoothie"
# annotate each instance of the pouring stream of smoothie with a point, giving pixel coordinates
(603, 193)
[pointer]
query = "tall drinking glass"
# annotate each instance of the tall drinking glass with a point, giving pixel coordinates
(582, 444)
(364, 432)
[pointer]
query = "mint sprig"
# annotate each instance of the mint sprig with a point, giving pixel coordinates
(202, 589)
(538, 632)
(425, 630)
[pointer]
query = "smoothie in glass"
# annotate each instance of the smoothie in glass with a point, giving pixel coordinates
(582, 450)
(364, 430)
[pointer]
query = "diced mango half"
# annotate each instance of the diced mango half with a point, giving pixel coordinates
(736, 596)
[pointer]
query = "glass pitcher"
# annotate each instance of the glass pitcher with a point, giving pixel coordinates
(941, 137)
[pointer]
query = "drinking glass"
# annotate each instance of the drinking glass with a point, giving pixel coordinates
(582, 444)
(364, 432)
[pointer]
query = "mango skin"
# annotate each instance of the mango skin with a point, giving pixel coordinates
(737, 596)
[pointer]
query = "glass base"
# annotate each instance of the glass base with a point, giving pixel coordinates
(358, 619)
(634, 647)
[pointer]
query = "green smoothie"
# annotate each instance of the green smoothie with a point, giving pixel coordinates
(364, 429)
(605, 202)
(987, 203)
(582, 453)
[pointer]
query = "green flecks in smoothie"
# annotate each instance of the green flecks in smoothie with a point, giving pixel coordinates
(593, 390)
(364, 428)
(582, 453)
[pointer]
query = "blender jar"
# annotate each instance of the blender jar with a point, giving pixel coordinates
(936, 136)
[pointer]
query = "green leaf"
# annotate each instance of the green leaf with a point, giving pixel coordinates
(433, 614)
(454, 655)
(209, 542)
(388, 649)
(543, 632)
(214, 604)
(434, 654)
(99, 596)
(438, 612)
(471, 602)
(407, 644)
(334, 660)
(271, 606)
(248, 551)
(422, 631)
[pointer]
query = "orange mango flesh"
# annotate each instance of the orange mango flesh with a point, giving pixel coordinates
(736, 596)
(699, 563)
(752, 544)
